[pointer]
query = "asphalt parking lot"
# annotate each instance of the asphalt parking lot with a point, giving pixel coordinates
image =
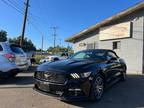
(18, 93)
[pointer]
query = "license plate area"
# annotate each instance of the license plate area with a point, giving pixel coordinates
(44, 86)
(22, 59)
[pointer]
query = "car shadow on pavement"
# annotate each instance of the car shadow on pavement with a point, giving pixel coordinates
(127, 94)
(15, 87)
(18, 80)
(31, 69)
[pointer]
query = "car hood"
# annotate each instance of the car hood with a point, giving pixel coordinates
(65, 65)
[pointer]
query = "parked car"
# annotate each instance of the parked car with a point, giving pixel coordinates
(49, 59)
(57, 56)
(84, 75)
(7, 69)
(14, 54)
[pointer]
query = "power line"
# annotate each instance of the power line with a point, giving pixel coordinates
(34, 26)
(42, 45)
(54, 34)
(10, 5)
(21, 0)
(21, 12)
(19, 8)
(17, 5)
(31, 16)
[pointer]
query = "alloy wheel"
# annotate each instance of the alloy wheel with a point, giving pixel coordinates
(98, 90)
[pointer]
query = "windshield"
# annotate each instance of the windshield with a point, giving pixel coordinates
(16, 49)
(89, 54)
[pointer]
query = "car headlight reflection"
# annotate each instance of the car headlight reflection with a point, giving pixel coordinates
(81, 75)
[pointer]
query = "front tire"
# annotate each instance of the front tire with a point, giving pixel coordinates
(97, 88)
(123, 74)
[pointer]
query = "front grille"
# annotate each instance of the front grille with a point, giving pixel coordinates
(52, 77)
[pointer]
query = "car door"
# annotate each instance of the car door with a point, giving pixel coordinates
(113, 66)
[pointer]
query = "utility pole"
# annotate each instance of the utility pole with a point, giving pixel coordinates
(54, 28)
(68, 47)
(42, 45)
(60, 42)
(24, 23)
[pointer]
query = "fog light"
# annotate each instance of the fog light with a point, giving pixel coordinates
(59, 93)
(75, 89)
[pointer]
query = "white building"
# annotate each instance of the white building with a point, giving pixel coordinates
(122, 32)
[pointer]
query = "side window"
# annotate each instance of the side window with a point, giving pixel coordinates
(16, 49)
(90, 46)
(1, 49)
(111, 54)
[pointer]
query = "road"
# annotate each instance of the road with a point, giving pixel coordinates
(18, 93)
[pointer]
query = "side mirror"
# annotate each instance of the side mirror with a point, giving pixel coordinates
(111, 58)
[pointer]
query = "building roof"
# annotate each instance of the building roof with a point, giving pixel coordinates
(109, 20)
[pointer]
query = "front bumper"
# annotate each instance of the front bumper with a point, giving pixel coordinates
(72, 90)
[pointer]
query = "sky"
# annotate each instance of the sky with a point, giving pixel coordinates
(69, 16)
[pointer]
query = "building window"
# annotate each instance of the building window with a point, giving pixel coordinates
(116, 45)
(90, 46)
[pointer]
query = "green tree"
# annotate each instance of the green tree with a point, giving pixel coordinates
(3, 36)
(50, 49)
(60, 49)
(27, 44)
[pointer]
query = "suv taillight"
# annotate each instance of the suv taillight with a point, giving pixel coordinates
(10, 57)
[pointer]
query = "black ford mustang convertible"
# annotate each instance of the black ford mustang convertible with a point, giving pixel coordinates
(83, 75)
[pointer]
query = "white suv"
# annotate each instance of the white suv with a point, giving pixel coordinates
(14, 54)
(7, 69)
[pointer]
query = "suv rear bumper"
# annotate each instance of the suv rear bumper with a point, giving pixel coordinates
(23, 67)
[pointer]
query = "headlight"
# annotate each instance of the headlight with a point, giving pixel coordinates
(75, 75)
(86, 74)
(81, 75)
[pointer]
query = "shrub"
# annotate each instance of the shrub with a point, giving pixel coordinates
(37, 59)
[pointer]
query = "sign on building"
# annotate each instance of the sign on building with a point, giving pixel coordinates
(117, 31)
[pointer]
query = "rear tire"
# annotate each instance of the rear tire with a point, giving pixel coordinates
(4, 77)
(97, 88)
(123, 74)
(56, 59)
(14, 75)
